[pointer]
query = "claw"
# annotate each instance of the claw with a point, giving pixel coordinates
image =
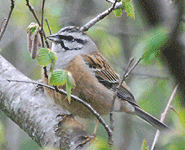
(86, 139)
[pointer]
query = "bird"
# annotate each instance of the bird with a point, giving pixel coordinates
(95, 79)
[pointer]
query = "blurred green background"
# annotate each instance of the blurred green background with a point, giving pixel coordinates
(118, 40)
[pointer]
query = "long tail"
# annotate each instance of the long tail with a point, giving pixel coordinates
(150, 119)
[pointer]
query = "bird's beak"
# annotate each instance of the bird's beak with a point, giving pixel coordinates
(53, 38)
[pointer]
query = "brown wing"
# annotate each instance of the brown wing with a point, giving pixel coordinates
(107, 76)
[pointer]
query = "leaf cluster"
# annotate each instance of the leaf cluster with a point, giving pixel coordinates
(58, 77)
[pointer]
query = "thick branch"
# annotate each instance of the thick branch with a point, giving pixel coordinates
(34, 112)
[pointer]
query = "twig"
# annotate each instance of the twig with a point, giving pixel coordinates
(2, 24)
(98, 18)
(61, 91)
(125, 75)
(115, 94)
(129, 72)
(48, 26)
(42, 16)
(43, 33)
(163, 115)
(45, 72)
(6, 23)
(171, 107)
(114, 97)
(31, 8)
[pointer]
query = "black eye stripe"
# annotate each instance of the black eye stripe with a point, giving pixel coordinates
(81, 41)
(69, 38)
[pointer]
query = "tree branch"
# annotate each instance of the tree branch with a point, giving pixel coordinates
(118, 4)
(98, 18)
(75, 98)
(34, 112)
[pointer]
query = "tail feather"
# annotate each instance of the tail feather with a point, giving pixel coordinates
(150, 119)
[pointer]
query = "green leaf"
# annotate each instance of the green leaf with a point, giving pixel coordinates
(129, 8)
(70, 84)
(144, 146)
(118, 12)
(59, 77)
(45, 57)
(152, 43)
(68, 89)
(182, 117)
(70, 80)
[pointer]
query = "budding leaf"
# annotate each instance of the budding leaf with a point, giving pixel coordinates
(144, 146)
(32, 27)
(45, 57)
(118, 12)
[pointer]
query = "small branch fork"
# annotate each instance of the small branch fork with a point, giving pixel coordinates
(118, 4)
(7, 20)
(99, 17)
(125, 75)
(163, 115)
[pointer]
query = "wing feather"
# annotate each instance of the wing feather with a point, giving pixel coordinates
(107, 76)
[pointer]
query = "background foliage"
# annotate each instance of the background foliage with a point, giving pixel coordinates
(118, 39)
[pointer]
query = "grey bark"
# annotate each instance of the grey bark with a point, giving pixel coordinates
(28, 106)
